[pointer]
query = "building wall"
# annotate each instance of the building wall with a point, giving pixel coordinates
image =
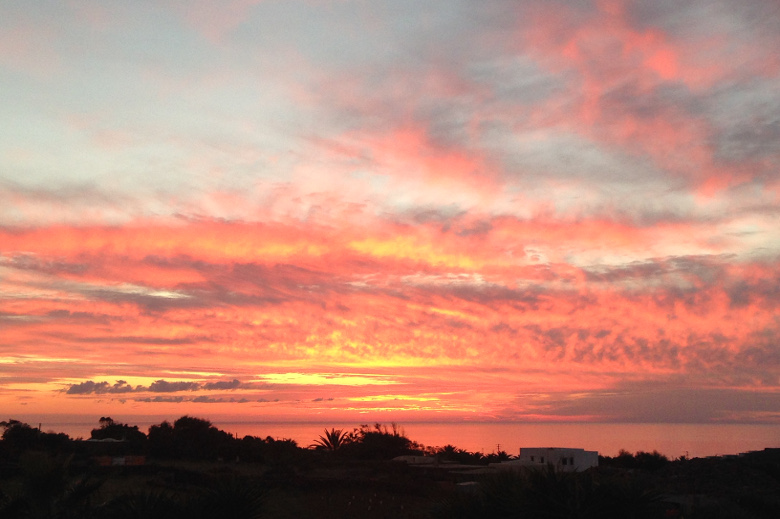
(569, 460)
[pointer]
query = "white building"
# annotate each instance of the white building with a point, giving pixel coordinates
(568, 460)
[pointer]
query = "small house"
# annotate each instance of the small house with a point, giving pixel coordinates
(565, 459)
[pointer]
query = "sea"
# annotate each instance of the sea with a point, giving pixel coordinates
(671, 440)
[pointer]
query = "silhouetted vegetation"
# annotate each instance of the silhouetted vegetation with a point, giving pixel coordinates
(379, 443)
(333, 440)
(452, 454)
(134, 439)
(190, 468)
(641, 460)
(196, 438)
(19, 437)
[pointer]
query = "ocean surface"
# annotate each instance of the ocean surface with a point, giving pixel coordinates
(672, 440)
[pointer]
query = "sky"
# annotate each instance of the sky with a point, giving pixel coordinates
(399, 210)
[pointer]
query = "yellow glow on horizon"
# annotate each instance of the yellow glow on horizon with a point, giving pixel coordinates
(20, 359)
(204, 374)
(383, 398)
(40, 387)
(315, 379)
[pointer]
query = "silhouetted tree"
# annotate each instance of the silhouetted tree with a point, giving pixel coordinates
(135, 440)
(650, 460)
(333, 440)
(497, 457)
(451, 453)
(160, 440)
(641, 460)
(280, 452)
(379, 442)
(191, 438)
(19, 437)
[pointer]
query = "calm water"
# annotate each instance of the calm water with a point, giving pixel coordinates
(673, 440)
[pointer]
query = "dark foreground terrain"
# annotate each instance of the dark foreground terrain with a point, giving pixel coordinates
(190, 469)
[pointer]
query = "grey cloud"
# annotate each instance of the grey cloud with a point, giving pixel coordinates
(687, 279)
(78, 316)
(89, 387)
(762, 352)
(746, 117)
(481, 228)
(59, 192)
(144, 297)
(17, 319)
(748, 19)
(158, 386)
(449, 218)
(751, 139)
(150, 303)
(170, 399)
(515, 80)
(570, 156)
(163, 386)
(445, 216)
(707, 269)
(658, 100)
(696, 353)
(231, 384)
(286, 276)
(31, 262)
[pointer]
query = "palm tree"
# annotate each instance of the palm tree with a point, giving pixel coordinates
(333, 440)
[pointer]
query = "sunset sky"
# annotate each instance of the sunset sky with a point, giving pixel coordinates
(391, 210)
